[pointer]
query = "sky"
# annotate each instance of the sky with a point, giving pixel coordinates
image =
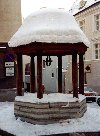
(29, 6)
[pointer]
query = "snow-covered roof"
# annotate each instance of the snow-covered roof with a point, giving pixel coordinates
(78, 7)
(49, 25)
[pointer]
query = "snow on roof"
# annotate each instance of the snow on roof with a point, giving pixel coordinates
(76, 7)
(49, 25)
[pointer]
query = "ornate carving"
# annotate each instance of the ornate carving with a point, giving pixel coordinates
(82, 4)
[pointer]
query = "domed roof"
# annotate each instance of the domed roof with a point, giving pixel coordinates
(48, 25)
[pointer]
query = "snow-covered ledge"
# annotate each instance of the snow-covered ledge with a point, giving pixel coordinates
(50, 109)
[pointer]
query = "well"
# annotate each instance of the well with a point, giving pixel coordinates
(49, 33)
(43, 112)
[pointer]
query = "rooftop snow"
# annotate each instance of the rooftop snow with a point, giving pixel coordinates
(49, 25)
(76, 6)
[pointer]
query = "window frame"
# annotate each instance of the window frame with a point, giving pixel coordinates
(52, 75)
(44, 64)
(82, 27)
(98, 51)
(97, 20)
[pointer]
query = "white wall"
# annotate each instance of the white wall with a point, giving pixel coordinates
(50, 83)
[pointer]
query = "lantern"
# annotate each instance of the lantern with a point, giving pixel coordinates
(48, 61)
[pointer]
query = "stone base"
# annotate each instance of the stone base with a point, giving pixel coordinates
(47, 113)
(7, 95)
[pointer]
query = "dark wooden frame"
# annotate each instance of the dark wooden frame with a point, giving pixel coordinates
(40, 49)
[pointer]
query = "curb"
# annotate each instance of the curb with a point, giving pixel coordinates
(4, 133)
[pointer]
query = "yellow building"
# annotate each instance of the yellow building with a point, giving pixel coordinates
(10, 18)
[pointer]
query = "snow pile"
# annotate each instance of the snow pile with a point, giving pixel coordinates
(89, 122)
(53, 97)
(48, 25)
(76, 6)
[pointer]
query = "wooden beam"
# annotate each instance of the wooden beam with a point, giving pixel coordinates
(19, 75)
(60, 74)
(81, 74)
(32, 75)
(46, 48)
(75, 75)
(39, 77)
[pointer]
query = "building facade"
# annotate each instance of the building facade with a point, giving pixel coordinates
(87, 15)
(10, 20)
(49, 73)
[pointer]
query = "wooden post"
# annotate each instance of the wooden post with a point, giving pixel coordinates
(85, 80)
(75, 75)
(32, 75)
(19, 75)
(81, 74)
(60, 74)
(39, 77)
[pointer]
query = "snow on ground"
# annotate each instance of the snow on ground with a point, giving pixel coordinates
(53, 97)
(89, 122)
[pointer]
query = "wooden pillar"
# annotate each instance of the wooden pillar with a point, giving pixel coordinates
(75, 75)
(60, 74)
(32, 75)
(81, 74)
(19, 75)
(39, 77)
(85, 80)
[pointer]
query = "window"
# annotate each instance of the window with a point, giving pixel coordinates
(82, 25)
(84, 57)
(97, 50)
(97, 22)
(52, 74)
(27, 69)
(43, 63)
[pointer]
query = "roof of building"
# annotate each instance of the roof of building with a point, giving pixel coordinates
(50, 26)
(81, 5)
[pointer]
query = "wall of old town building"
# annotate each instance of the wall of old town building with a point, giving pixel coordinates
(10, 21)
(10, 18)
(92, 76)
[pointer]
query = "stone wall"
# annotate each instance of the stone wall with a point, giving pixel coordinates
(45, 113)
(7, 95)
